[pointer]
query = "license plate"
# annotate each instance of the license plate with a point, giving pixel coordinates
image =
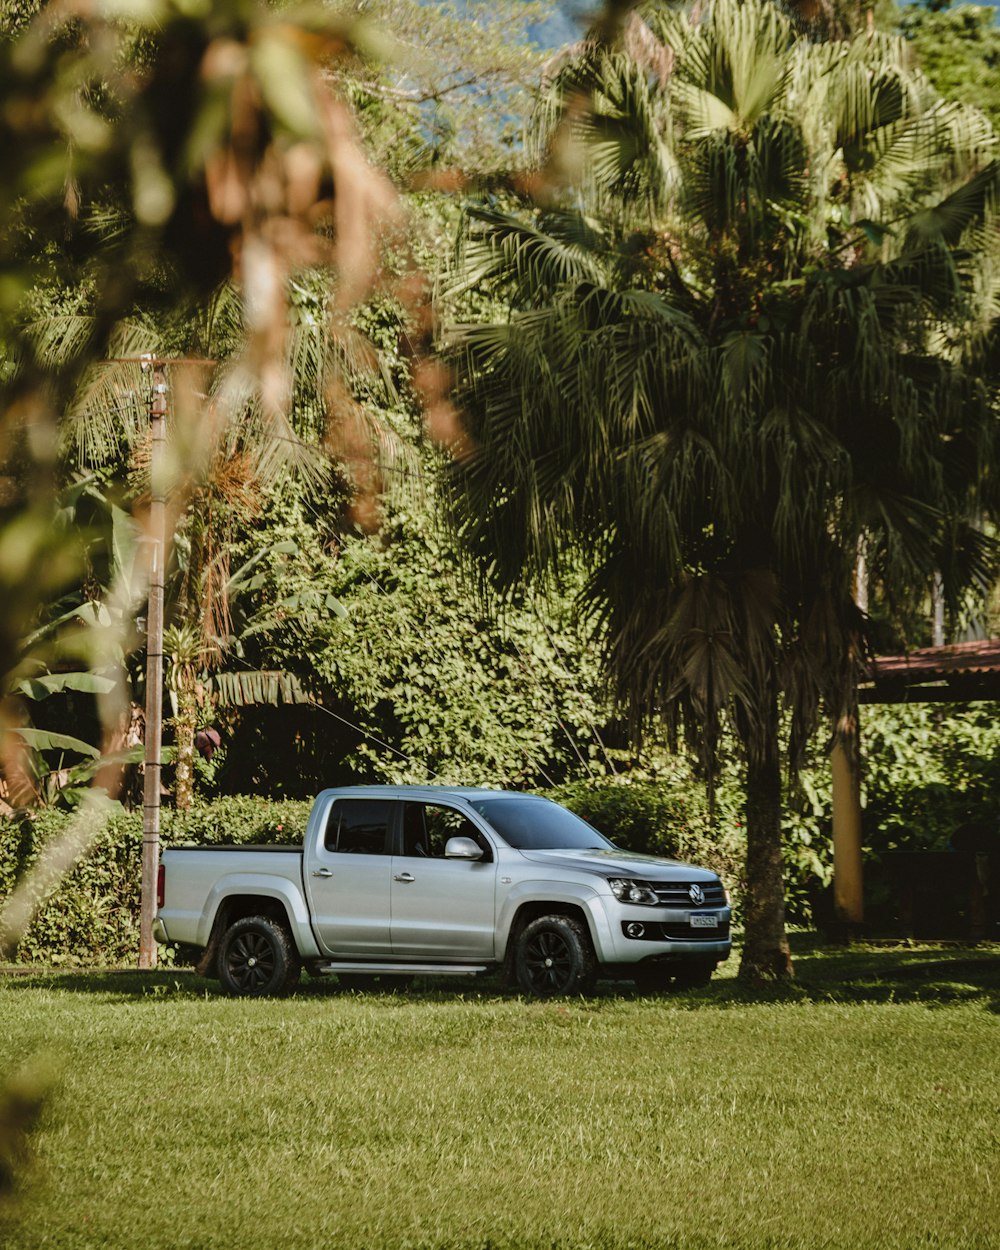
(704, 920)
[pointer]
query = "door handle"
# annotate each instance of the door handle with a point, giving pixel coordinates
(405, 876)
(323, 872)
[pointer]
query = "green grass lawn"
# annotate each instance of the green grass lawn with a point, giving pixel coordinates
(858, 1109)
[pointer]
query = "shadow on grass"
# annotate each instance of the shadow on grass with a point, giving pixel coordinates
(916, 974)
(928, 974)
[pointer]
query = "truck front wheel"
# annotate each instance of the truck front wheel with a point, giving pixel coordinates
(554, 956)
(257, 959)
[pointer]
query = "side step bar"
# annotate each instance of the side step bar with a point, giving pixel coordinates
(410, 969)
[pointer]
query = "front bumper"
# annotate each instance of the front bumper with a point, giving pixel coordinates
(666, 933)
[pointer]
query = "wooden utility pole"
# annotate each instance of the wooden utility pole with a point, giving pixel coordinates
(154, 663)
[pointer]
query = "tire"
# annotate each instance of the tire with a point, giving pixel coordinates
(257, 959)
(554, 956)
(374, 983)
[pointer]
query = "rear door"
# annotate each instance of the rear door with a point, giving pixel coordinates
(349, 879)
(441, 908)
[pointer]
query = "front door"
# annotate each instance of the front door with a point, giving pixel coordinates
(441, 908)
(349, 880)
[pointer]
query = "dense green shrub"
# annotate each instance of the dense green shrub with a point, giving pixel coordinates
(417, 681)
(239, 818)
(927, 770)
(93, 916)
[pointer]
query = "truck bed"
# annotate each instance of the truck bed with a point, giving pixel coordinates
(196, 877)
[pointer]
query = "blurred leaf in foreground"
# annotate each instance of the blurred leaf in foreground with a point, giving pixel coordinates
(22, 1097)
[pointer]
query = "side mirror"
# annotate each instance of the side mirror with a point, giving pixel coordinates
(462, 848)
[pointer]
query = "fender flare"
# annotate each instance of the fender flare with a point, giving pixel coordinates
(243, 884)
(580, 896)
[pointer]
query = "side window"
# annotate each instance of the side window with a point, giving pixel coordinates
(427, 828)
(358, 826)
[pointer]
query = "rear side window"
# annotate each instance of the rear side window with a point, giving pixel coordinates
(359, 826)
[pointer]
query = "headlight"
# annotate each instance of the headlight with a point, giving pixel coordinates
(628, 891)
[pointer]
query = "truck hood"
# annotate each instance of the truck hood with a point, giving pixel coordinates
(615, 863)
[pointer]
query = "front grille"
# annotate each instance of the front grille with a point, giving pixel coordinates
(676, 893)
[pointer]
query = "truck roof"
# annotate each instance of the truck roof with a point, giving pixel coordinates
(387, 791)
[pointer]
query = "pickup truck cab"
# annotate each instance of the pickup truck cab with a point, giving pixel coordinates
(396, 881)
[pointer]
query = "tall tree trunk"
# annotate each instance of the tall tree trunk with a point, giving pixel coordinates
(765, 949)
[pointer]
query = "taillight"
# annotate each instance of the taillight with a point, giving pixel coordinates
(161, 876)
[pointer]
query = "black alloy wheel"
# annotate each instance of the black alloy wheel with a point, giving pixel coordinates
(257, 959)
(554, 956)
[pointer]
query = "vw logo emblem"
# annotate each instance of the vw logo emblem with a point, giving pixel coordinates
(696, 894)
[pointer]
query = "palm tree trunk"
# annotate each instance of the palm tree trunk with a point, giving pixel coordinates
(185, 723)
(765, 949)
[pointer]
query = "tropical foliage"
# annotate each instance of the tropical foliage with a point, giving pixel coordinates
(740, 344)
(149, 156)
(410, 677)
(958, 48)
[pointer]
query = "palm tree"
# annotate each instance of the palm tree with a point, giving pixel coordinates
(735, 339)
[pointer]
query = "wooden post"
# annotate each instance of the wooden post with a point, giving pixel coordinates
(848, 898)
(154, 669)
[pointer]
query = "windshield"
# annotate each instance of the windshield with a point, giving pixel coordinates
(528, 823)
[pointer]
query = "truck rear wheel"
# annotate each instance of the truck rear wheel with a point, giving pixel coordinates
(554, 956)
(257, 959)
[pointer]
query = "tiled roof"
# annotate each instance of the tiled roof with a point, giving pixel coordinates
(965, 671)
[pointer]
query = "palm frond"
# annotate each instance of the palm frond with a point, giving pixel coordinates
(949, 218)
(528, 260)
(260, 687)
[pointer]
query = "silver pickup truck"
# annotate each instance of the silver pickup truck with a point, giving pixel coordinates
(396, 881)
